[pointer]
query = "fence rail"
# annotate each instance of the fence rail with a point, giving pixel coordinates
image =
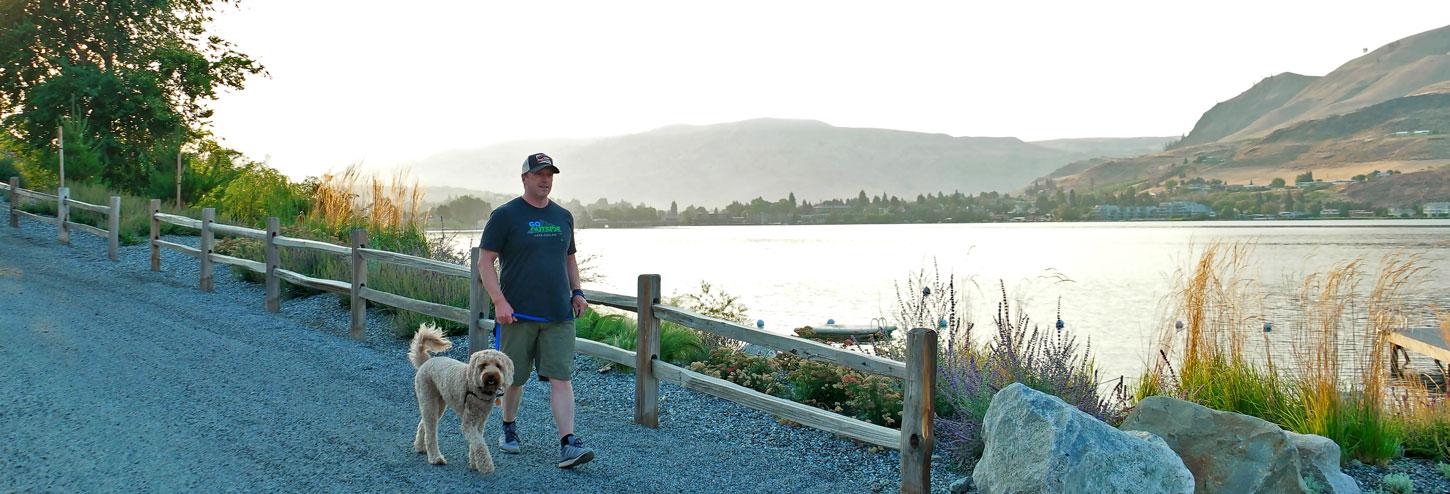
(914, 440)
(61, 220)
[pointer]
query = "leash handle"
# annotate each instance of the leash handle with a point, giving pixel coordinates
(498, 327)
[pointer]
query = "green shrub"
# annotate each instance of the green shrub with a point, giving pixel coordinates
(1444, 469)
(1399, 483)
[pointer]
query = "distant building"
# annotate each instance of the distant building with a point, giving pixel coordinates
(1329, 212)
(1400, 213)
(1106, 212)
(1437, 209)
(1184, 209)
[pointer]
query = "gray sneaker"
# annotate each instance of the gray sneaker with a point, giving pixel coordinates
(509, 441)
(574, 453)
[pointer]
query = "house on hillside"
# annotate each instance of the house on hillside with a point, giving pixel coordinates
(1184, 209)
(1437, 210)
(1400, 213)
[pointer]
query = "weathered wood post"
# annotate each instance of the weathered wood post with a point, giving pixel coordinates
(273, 258)
(359, 280)
(14, 202)
(478, 336)
(208, 216)
(917, 412)
(62, 215)
(155, 235)
(647, 350)
(113, 228)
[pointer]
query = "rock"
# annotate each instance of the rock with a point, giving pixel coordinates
(1038, 443)
(1319, 460)
(961, 486)
(1227, 452)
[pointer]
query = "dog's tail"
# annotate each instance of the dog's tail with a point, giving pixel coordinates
(428, 339)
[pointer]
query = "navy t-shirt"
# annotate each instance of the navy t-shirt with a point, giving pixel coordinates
(532, 245)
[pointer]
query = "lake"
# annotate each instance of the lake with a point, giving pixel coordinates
(1112, 279)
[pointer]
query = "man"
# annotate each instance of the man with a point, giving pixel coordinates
(533, 240)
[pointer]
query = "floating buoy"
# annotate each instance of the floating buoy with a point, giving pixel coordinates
(1060, 325)
(830, 321)
(760, 323)
(926, 290)
(942, 323)
(1268, 326)
(1178, 325)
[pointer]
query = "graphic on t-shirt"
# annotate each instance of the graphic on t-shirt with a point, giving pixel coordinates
(538, 228)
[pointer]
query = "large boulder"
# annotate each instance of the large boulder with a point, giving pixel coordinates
(1319, 460)
(1228, 453)
(1038, 443)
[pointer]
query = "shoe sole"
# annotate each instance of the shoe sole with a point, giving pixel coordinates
(578, 460)
(513, 451)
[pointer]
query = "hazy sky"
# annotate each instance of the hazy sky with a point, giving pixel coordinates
(387, 83)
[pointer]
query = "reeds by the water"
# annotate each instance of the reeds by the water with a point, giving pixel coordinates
(1325, 375)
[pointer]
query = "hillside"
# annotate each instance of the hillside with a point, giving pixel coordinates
(1235, 114)
(1403, 189)
(1396, 70)
(713, 165)
(1107, 147)
(1386, 110)
(1405, 134)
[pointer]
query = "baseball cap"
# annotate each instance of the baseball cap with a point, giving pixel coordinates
(539, 161)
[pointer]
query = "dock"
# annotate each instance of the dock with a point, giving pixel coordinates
(1430, 342)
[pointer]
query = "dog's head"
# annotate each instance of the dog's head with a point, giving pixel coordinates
(490, 370)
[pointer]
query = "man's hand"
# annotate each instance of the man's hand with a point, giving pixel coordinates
(504, 313)
(579, 305)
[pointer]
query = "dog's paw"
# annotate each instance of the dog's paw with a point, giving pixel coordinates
(440, 460)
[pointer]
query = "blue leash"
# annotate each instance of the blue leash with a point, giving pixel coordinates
(497, 327)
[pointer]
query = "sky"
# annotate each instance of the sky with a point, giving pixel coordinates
(385, 84)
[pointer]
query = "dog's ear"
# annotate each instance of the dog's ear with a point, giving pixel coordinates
(508, 368)
(476, 364)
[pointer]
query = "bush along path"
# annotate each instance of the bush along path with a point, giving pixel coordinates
(119, 378)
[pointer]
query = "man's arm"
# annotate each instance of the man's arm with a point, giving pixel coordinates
(502, 311)
(572, 266)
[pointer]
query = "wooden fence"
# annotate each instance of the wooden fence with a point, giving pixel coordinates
(63, 204)
(915, 440)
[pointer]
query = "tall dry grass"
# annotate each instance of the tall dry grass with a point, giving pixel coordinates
(1326, 375)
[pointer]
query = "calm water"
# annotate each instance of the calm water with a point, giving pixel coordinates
(1112, 278)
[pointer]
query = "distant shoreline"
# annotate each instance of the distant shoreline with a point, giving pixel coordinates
(1276, 223)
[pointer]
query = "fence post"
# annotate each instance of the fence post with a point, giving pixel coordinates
(14, 202)
(113, 228)
(647, 350)
(917, 439)
(359, 280)
(62, 215)
(273, 258)
(155, 235)
(476, 305)
(208, 216)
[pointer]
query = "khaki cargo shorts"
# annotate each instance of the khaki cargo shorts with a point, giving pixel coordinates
(549, 346)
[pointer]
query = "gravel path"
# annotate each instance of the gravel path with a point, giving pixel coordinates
(116, 378)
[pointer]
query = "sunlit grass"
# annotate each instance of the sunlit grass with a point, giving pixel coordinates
(1334, 381)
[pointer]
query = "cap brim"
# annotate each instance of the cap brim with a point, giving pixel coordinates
(551, 167)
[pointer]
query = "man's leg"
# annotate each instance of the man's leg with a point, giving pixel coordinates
(512, 398)
(561, 402)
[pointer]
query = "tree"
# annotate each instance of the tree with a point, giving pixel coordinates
(1277, 183)
(1304, 177)
(138, 73)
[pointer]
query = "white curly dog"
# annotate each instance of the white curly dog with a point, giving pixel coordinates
(469, 389)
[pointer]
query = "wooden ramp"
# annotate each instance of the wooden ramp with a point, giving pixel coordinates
(1429, 342)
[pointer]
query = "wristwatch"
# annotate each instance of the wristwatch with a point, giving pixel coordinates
(580, 293)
